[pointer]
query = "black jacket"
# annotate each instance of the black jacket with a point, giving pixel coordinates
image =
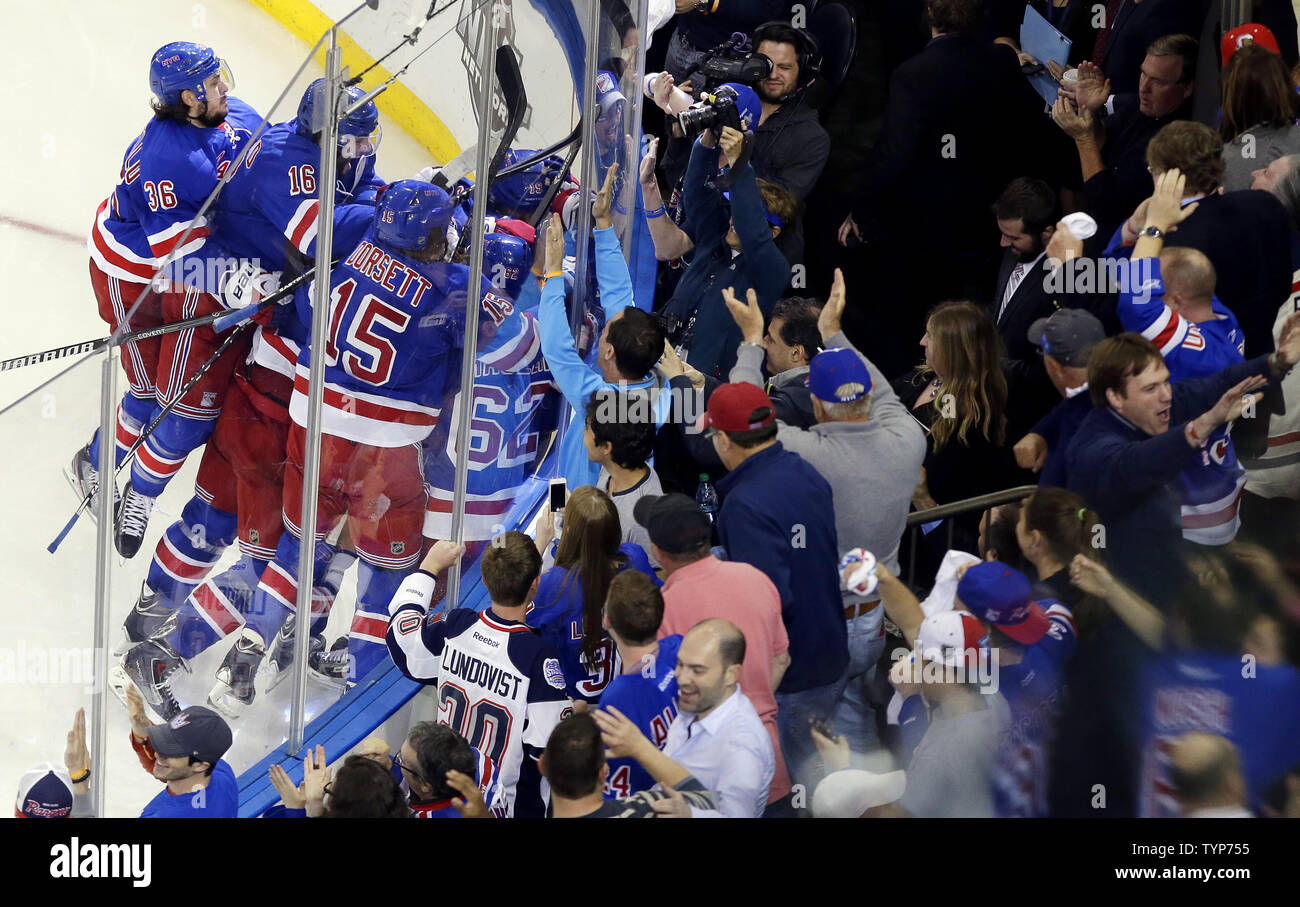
(1247, 237)
(959, 125)
(1136, 26)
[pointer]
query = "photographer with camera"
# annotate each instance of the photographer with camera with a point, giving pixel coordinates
(732, 249)
(702, 25)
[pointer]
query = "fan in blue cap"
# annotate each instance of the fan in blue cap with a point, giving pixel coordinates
(838, 376)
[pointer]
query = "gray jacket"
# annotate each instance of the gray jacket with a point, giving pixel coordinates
(872, 467)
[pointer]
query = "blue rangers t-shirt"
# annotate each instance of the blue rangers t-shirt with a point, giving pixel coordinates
(1254, 706)
(219, 800)
(1034, 689)
(648, 697)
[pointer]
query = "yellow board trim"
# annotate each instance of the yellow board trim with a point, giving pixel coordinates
(308, 23)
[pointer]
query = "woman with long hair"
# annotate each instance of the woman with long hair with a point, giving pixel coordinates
(1054, 526)
(1260, 110)
(569, 607)
(959, 393)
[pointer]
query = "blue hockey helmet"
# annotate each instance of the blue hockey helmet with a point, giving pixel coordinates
(506, 260)
(183, 65)
(408, 210)
(355, 130)
(521, 193)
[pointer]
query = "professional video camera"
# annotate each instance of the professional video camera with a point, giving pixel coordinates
(733, 61)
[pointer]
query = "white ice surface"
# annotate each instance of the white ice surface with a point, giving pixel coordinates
(78, 90)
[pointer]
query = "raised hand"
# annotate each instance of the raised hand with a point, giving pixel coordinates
(140, 722)
(747, 315)
(1091, 576)
(1165, 207)
(470, 802)
(291, 794)
(604, 198)
(648, 163)
(1093, 87)
(832, 314)
(554, 246)
(733, 144)
(76, 756)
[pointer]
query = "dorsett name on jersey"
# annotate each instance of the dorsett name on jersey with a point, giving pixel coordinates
(493, 678)
(385, 270)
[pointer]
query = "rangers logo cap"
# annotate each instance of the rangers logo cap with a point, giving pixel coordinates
(1000, 595)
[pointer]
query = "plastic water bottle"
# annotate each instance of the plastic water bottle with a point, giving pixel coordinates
(707, 497)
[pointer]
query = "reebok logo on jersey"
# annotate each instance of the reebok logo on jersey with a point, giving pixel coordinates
(487, 640)
(551, 671)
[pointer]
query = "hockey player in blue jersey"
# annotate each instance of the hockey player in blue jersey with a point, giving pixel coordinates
(1170, 301)
(167, 174)
(268, 201)
(500, 686)
(397, 321)
(646, 690)
(515, 409)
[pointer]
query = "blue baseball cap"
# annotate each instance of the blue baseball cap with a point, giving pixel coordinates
(1000, 595)
(45, 792)
(838, 375)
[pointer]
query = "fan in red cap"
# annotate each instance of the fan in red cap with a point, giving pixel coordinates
(738, 407)
(1251, 32)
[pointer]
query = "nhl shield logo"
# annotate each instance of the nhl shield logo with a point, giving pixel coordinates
(253, 536)
(397, 547)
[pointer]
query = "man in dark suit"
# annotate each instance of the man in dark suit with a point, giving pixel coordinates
(1026, 213)
(1133, 25)
(961, 121)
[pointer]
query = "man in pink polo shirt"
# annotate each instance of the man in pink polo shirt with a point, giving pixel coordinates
(698, 586)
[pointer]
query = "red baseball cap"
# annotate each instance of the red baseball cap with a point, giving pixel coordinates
(1251, 32)
(738, 407)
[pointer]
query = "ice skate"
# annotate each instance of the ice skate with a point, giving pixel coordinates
(84, 478)
(280, 656)
(131, 522)
(149, 666)
(333, 667)
(234, 690)
(146, 620)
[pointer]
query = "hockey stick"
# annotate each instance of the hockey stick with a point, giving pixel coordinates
(162, 413)
(516, 98)
(544, 205)
(198, 321)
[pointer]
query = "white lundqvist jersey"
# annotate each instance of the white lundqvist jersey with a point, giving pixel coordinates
(500, 686)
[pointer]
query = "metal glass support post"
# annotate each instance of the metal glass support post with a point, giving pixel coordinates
(487, 59)
(632, 125)
(326, 180)
(103, 566)
(588, 177)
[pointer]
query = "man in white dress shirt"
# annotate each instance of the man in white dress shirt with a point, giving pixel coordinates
(717, 735)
